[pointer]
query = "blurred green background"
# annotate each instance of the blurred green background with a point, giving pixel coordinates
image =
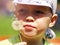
(5, 26)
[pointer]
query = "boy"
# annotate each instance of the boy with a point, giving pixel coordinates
(33, 18)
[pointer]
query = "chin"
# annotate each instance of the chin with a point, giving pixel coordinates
(29, 36)
(31, 33)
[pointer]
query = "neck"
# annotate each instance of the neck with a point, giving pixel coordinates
(37, 41)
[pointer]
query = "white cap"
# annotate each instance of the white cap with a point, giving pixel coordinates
(49, 3)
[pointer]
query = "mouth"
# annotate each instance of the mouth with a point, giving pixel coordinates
(29, 28)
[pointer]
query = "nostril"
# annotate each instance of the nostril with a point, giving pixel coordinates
(29, 20)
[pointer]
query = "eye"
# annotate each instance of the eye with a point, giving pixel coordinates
(38, 12)
(22, 11)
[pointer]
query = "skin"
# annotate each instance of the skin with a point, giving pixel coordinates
(38, 19)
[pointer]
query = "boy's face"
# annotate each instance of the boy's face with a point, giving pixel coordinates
(35, 19)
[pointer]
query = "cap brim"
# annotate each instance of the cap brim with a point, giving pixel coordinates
(33, 3)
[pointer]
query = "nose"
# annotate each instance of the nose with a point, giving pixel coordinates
(29, 19)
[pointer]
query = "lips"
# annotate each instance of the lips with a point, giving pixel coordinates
(28, 27)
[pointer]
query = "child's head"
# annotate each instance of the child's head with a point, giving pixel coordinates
(36, 16)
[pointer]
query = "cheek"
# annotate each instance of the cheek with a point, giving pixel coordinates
(20, 17)
(42, 24)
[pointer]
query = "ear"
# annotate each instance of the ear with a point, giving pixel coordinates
(53, 20)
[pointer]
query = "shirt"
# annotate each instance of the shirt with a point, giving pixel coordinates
(16, 39)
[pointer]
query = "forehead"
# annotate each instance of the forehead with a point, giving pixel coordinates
(24, 6)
